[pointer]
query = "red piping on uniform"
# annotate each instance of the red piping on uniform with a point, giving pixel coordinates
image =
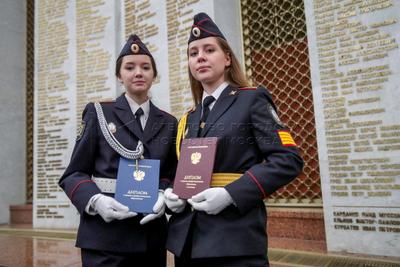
(247, 88)
(258, 184)
(213, 33)
(165, 179)
(76, 187)
(201, 21)
(290, 145)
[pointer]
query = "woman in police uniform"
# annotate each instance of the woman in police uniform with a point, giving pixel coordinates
(109, 234)
(225, 225)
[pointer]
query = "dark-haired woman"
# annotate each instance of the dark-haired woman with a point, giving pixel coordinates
(131, 126)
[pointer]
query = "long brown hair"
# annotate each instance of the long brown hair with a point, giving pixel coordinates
(234, 75)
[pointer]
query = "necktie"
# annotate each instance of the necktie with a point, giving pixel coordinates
(206, 111)
(138, 114)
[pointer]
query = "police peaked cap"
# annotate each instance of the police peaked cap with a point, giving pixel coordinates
(134, 46)
(203, 27)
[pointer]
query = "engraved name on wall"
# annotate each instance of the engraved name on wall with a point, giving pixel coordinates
(52, 108)
(72, 67)
(355, 47)
(165, 29)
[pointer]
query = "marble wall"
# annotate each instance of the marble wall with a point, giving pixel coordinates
(13, 106)
(76, 45)
(354, 55)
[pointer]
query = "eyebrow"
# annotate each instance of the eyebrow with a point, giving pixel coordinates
(134, 63)
(204, 45)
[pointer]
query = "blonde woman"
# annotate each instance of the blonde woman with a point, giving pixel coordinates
(225, 225)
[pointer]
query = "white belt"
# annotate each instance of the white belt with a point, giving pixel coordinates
(106, 185)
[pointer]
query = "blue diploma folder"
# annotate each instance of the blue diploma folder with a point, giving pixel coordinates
(137, 188)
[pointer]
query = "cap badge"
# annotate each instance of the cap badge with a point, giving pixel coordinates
(196, 31)
(135, 48)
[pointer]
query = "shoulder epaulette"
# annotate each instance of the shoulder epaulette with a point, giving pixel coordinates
(163, 111)
(247, 88)
(107, 101)
(190, 110)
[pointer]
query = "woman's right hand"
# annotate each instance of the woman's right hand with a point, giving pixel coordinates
(110, 209)
(173, 202)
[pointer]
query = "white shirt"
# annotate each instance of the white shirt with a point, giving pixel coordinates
(135, 106)
(215, 94)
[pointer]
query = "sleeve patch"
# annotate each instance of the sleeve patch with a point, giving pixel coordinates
(80, 131)
(286, 138)
(274, 115)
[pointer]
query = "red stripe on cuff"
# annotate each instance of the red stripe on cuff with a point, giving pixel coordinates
(258, 184)
(76, 187)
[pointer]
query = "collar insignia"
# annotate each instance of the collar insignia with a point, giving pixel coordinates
(233, 92)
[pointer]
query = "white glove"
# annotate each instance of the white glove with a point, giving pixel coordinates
(173, 202)
(159, 209)
(211, 200)
(110, 209)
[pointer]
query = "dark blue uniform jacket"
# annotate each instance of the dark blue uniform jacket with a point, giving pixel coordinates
(248, 143)
(92, 156)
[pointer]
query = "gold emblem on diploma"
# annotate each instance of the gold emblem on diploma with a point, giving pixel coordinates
(139, 175)
(195, 157)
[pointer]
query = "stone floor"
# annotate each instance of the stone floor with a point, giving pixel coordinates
(25, 252)
(24, 247)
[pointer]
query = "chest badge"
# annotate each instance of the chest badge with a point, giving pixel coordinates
(233, 92)
(112, 128)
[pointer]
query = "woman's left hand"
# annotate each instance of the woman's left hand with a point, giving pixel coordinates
(159, 209)
(212, 200)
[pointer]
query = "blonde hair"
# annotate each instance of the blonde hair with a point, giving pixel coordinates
(234, 75)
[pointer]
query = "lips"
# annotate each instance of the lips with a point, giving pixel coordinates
(203, 68)
(139, 82)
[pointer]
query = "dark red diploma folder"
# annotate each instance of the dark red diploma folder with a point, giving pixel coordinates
(195, 166)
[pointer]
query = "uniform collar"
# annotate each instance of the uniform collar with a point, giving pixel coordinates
(135, 106)
(215, 94)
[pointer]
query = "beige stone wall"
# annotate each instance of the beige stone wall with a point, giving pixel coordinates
(74, 54)
(354, 54)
